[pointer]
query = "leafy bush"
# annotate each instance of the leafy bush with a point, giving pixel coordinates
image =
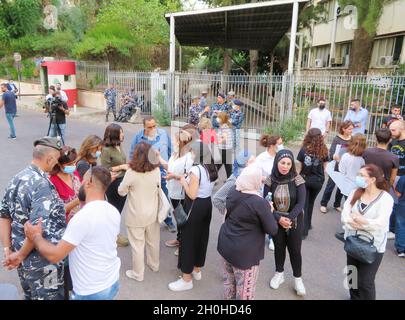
(292, 127)
(161, 111)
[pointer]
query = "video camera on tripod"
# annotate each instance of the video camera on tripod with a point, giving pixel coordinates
(52, 106)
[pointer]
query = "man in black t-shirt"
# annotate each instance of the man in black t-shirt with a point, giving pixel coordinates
(397, 145)
(381, 157)
(58, 111)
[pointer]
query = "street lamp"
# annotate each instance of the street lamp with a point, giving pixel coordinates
(17, 60)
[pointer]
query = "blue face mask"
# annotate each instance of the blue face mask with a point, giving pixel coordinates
(361, 182)
(96, 155)
(69, 169)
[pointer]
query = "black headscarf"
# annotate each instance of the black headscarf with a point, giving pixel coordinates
(276, 176)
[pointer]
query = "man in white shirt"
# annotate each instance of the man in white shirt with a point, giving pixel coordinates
(63, 94)
(89, 240)
(320, 118)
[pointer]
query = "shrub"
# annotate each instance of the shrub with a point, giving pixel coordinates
(161, 111)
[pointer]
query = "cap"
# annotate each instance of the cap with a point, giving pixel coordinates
(221, 95)
(195, 97)
(238, 102)
(204, 92)
(49, 142)
(231, 93)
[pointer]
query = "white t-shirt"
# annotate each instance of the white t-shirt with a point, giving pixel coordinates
(264, 162)
(319, 118)
(178, 166)
(206, 186)
(63, 96)
(94, 263)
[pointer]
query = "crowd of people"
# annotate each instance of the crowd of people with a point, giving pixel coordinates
(60, 217)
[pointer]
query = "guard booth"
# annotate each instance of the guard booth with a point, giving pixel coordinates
(63, 72)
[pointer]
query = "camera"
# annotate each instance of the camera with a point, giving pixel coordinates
(52, 105)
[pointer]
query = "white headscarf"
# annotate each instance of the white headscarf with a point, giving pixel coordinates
(250, 181)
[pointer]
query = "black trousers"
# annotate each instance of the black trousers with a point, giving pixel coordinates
(365, 278)
(292, 241)
(327, 194)
(113, 197)
(194, 235)
(313, 185)
(227, 161)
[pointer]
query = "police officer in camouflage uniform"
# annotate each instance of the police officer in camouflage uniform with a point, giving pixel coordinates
(30, 196)
(220, 106)
(237, 117)
(110, 95)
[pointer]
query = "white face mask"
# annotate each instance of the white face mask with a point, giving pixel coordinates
(280, 147)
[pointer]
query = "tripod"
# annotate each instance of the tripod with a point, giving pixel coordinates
(52, 121)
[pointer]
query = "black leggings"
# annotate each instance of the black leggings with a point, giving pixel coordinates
(227, 161)
(292, 241)
(194, 235)
(313, 185)
(365, 278)
(113, 197)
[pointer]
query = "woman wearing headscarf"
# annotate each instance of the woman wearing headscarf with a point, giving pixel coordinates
(288, 195)
(242, 236)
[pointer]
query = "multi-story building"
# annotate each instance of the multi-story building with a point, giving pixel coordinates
(327, 44)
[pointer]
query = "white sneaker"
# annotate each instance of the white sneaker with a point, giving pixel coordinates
(277, 280)
(271, 245)
(176, 252)
(181, 285)
(391, 236)
(197, 275)
(299, 287)
(323, 209)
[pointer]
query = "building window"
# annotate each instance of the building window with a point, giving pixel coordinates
(320, 56)
(342, 54)
(383, 52)
(67, 78)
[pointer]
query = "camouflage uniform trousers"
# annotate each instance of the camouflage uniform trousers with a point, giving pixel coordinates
(111, 108)
(44, 283)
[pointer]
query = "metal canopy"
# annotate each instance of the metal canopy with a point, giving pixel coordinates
(251, 26)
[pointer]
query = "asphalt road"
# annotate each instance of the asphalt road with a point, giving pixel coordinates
(323, 255)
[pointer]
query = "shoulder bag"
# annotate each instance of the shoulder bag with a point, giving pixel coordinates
(180, 214)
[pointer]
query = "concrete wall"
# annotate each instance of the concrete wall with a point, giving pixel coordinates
(91, 99)
(27, 88)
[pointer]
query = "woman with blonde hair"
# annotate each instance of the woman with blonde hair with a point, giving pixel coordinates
(352, 161)
(225, 142)
(89, 152)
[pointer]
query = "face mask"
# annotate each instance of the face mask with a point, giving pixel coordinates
(280, 147)
(69, 169)
(96, 154)
(82, 194)
(321, 106)
(361, 182)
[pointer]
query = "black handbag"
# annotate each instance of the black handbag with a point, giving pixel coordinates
(361, 248)
(180, 214)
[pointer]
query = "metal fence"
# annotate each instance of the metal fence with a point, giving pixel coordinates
(92, 75)
(269, 99)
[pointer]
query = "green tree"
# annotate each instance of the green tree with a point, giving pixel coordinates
(368, 16)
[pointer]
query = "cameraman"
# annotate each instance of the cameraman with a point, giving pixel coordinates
(57, 111)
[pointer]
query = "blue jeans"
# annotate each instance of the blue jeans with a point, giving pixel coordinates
(107, 294)
(10, 120)
(399, 210)
(169, 219)
(53, 132)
